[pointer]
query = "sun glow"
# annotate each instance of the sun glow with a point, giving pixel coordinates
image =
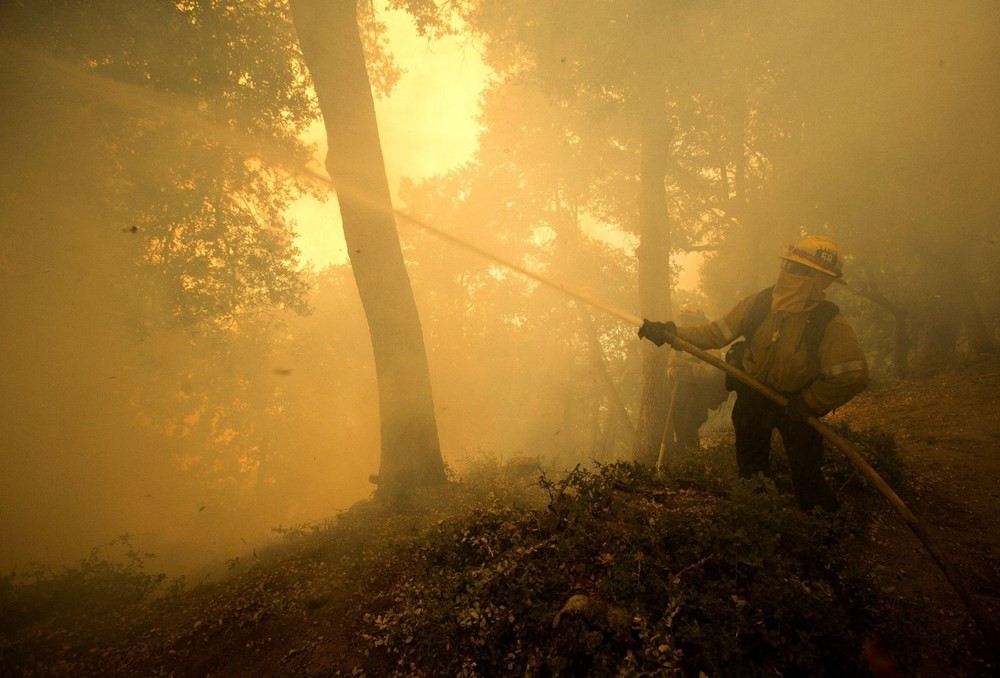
(427, 126)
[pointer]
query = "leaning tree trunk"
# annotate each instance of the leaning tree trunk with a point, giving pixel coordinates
(653, 256)
(331, 46)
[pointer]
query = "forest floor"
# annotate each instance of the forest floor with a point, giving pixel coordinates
(947, 429)
(296, 611)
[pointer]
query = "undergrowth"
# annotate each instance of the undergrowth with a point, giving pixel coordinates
(877, 447)
(507, 570)
(626, 572)
(112, 576)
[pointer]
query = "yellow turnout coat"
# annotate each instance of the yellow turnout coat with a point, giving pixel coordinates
(777, 354)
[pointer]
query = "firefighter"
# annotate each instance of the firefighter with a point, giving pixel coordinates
(697, 387)
(797, 343)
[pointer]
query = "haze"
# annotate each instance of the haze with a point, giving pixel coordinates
(184, 354)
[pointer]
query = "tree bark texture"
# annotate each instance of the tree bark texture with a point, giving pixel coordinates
(654, 266)
(331, 45)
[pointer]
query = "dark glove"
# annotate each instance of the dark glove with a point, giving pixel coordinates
(797, 409)
(658, 333)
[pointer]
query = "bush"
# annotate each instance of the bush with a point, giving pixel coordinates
(629, 573)
(876, 447)
(111, 576)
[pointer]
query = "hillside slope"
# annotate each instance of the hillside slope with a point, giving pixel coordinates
(947, 428)
(597, 572)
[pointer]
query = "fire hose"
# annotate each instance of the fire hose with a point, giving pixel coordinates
(982, 619)
(126, 96)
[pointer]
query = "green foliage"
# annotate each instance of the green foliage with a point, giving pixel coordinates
(134, 166)
(713, 466)
(111, 576)
(797, 117)
(629, 573)
(877, 447)
(159, 113)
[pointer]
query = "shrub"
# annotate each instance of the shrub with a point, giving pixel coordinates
(626, 572)
(112, 575)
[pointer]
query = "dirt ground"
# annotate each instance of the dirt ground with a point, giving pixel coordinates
(947, 428)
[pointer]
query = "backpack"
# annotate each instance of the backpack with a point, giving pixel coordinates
(819, 318)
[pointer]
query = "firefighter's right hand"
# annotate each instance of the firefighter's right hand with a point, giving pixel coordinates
(658, 333)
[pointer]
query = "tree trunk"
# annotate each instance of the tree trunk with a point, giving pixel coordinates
(653, 256)
(941, 336)
(605, 450)
(567, 250)
(977, 334)
(607, 385)
(331, 45)
(748, 257)
(900, 345)
(901, 342)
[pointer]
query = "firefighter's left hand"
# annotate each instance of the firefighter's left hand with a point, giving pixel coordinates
(797, 409)
(657, 332)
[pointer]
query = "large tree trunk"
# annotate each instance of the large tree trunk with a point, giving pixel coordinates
(331, 45)
(654, 266)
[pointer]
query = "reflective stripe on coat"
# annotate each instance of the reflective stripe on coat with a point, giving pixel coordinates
(778, 356)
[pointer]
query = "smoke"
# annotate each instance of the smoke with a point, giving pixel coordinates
(118, 416)
(199, 439)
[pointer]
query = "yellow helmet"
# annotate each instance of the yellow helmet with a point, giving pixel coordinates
(818, 253)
